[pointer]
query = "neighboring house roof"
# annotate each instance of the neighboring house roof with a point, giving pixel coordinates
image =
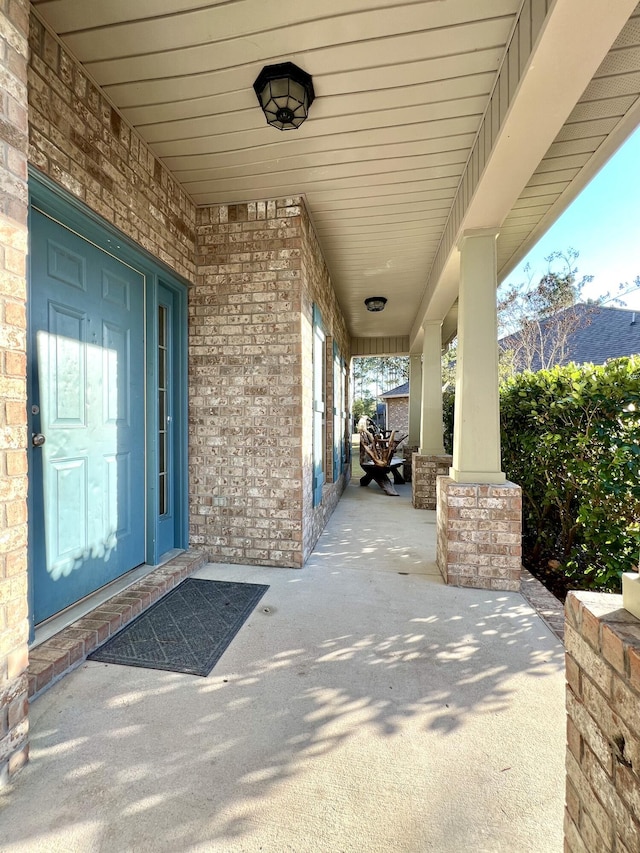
(400, 391)
(602, 333)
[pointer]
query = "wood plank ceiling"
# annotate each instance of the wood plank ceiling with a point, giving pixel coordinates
(401, 89)
(603, 118)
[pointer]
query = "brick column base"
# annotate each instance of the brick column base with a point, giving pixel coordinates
(479, 534)
(408, 458)
(426, 470)
(603, 727)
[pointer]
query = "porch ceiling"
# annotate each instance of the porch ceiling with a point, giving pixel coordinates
(417, 130)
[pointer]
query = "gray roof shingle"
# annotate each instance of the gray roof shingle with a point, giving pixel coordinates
(603, 333)
(399, 391)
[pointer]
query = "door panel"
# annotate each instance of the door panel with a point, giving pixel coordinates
(87, 385)
(68, 497)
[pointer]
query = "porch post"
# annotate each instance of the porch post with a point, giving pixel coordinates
(415, 399)
(415, 412)
(430, 462)
(476, 439)
(431, 427)
(479, 514)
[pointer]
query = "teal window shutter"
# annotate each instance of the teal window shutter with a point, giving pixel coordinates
(339, 411)
(346, 419)
(319, 415)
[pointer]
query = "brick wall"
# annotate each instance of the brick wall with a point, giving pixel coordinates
(13, 433)
(250, 332)
(317, 288)
(245, 399)
(82, 143)
(479, 534)
(603, 726)
(398, 414)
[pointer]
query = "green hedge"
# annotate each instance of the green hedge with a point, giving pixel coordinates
(571, 440)
(448, 403)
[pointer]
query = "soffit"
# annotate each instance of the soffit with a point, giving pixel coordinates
(603, 118)
(401, 88)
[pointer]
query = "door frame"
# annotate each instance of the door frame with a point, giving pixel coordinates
(73, 214)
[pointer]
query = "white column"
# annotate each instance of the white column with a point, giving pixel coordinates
(415, 399)
(476, 438)
(431, 428)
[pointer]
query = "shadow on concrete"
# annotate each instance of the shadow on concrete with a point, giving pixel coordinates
(355, 711)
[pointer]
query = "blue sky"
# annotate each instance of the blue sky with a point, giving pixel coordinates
(603, 225)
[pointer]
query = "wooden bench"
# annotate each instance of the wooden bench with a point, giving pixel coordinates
(380, 474)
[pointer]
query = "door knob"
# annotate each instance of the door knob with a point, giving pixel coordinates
(37, 439)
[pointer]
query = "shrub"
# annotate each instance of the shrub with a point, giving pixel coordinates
(448, 402)
(571, 440)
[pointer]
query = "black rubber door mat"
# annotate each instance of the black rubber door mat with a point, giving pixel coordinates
(187, 630)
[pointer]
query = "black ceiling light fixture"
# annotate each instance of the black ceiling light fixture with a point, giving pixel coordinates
(285, 93)
(375, 303)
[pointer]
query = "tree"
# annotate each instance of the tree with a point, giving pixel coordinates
(448, 361)
(624, 289)
(363, 406)
(535, 324)
(373, 375)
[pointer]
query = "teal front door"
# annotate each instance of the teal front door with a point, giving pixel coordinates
(87, 410)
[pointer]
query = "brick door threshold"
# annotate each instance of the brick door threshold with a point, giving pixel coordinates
(67, 649)
(549, 608)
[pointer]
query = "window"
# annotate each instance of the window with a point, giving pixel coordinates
(163, 412)
(339, 411)
(319, 417)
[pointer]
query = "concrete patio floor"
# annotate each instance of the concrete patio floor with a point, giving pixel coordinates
(364, 706)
